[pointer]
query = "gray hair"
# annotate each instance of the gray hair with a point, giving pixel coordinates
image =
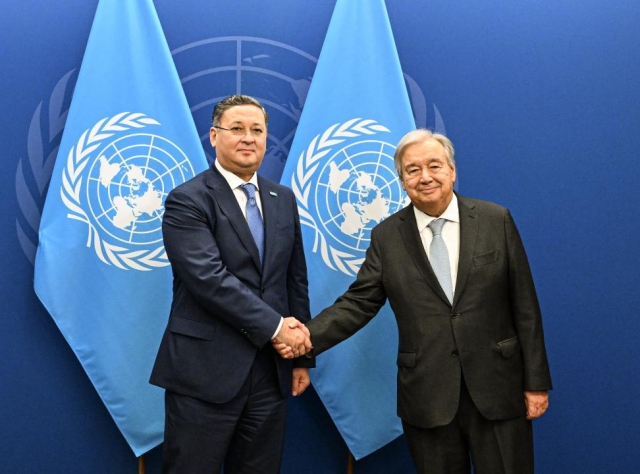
(418, 136)
(232, 101)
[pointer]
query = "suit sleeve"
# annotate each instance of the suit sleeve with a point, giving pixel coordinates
(196, 262)
(526, 312)
(356, 307)
(298, 285)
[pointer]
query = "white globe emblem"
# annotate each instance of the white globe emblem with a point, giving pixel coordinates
(128, 182)
(115, 180)
(357, 188)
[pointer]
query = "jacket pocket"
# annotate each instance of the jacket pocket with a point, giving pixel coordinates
(509, 347)
(486, 258)
(189, 327)
(406, 359)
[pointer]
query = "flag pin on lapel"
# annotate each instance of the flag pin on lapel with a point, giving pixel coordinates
(273, 193)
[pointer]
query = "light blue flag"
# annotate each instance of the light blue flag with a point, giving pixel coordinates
(101, 269)
(341, 170)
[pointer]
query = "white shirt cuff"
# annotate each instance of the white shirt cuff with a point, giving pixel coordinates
(278, 329)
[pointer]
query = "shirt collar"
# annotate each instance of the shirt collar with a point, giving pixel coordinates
(233, 180)
(451, 213)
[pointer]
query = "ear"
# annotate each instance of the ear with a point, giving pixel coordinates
(213, 135)
(453, 173)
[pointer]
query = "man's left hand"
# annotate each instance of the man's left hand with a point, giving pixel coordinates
(537, 403)
(301, 381)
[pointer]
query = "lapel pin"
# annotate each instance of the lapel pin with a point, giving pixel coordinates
(273, 193)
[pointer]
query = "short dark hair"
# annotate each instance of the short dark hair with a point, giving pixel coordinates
(231, 101)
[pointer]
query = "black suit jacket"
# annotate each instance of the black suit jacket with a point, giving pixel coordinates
(492, 333)
(226, 306)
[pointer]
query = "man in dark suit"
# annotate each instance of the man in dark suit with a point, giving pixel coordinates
(472, 365)
(234, 243)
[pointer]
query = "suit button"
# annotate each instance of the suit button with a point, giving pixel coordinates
(454, 353)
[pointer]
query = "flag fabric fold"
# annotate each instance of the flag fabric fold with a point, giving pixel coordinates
(341, 169)
(101, 270)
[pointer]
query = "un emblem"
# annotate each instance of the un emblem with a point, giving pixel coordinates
(355, 189)
(115, 180)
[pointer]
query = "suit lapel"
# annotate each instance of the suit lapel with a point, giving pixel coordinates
(468, 236)
(228, 204)
(412, 241)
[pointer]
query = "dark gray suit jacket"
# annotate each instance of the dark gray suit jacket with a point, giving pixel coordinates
(226, 305)
(492, 333)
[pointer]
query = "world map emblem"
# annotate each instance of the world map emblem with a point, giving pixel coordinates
(115, 180)
(346, 184)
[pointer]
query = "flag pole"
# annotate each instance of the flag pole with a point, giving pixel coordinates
(141, 469)
(350, 463)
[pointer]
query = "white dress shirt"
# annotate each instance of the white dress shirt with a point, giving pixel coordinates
(450, 234)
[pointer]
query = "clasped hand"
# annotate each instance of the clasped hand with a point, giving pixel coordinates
(293, 339)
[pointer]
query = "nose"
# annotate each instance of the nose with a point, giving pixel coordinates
(425, 175)
(248, 136)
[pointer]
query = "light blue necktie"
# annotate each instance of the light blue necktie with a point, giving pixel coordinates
(439, 258)
(254, 219)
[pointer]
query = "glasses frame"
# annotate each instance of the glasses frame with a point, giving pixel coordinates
(251, 132)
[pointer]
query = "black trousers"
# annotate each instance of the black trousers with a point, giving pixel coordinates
(494, 447)
(245, 435)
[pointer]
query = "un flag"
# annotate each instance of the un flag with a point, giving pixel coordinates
(101, 269)
(341, 170)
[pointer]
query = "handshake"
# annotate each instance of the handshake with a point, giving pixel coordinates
(293, 339)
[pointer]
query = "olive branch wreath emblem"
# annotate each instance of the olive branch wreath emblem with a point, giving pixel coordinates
(301, 184)
(72, 180)
(42, 148)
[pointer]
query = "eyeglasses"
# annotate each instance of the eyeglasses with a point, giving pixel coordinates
(241, 131)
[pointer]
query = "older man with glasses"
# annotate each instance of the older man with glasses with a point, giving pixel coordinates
(472, 364)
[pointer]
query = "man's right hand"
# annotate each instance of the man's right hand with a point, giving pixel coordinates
(293, 339)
